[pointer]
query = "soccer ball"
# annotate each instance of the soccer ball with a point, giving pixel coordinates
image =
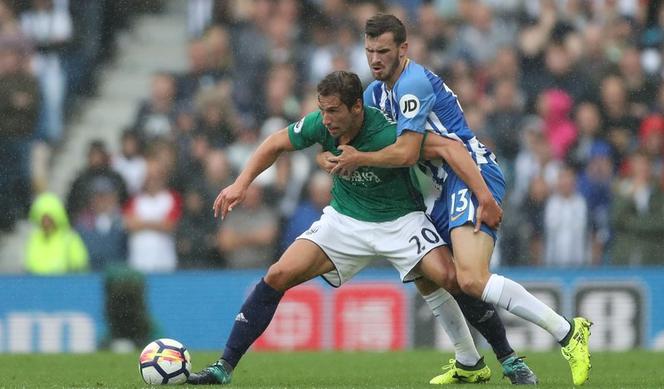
(164, 361)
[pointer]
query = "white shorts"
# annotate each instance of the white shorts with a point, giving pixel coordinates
(352, 244)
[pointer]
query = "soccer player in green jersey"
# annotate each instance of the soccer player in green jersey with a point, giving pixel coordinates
(375, 213)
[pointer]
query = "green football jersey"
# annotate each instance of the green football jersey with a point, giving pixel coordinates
(372, 194)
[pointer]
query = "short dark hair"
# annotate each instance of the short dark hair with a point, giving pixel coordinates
(345, 84)
(379, 24)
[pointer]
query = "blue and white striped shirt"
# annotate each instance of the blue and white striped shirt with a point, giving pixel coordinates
(420, 101)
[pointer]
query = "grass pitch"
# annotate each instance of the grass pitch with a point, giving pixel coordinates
(412, 369)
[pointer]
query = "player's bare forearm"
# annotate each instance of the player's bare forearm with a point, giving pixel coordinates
(266, 154)
(456, 155)
(402, 153)
(264, 157)
(387, 157)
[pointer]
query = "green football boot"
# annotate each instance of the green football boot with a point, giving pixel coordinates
(215, 374)
(576, 351)
(456, 373)
(518, 372)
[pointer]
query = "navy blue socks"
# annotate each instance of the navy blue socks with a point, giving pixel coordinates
(484, 318)
(254, 317)
(259, 308)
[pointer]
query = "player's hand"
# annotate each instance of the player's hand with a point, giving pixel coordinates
(347, 162)
(323, 160)
(228, 198)
(489, 213)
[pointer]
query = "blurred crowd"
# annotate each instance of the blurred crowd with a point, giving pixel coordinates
(567, 93)
(49, 53)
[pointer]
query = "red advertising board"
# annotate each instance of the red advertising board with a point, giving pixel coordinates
(297, 324)
(369, 317)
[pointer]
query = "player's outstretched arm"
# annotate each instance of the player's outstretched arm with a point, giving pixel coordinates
(456, 155)
(264, 156)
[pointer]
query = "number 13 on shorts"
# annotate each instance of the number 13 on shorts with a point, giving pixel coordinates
(460, 206)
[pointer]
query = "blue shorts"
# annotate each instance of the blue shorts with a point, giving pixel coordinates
(457, 205)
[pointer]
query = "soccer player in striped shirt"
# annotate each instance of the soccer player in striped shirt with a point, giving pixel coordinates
(421, 104)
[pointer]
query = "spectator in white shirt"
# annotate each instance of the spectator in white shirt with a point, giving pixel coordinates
(151, 218)
(566, 224)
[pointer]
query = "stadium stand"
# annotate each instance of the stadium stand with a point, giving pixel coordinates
(550, 86)
(152, 42)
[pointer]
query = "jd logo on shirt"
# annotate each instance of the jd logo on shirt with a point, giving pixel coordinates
(409, 105)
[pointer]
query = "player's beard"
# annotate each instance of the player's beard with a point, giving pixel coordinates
(388, 71)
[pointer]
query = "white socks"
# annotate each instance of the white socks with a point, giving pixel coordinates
(513, 297)
(448, 314)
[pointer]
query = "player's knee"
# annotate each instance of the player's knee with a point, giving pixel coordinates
(447, 280)
(278, 277)
(469, 283)
(451, 283)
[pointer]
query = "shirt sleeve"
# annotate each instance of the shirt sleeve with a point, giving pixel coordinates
(416, 98)
(369, 96)
(306, 131)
